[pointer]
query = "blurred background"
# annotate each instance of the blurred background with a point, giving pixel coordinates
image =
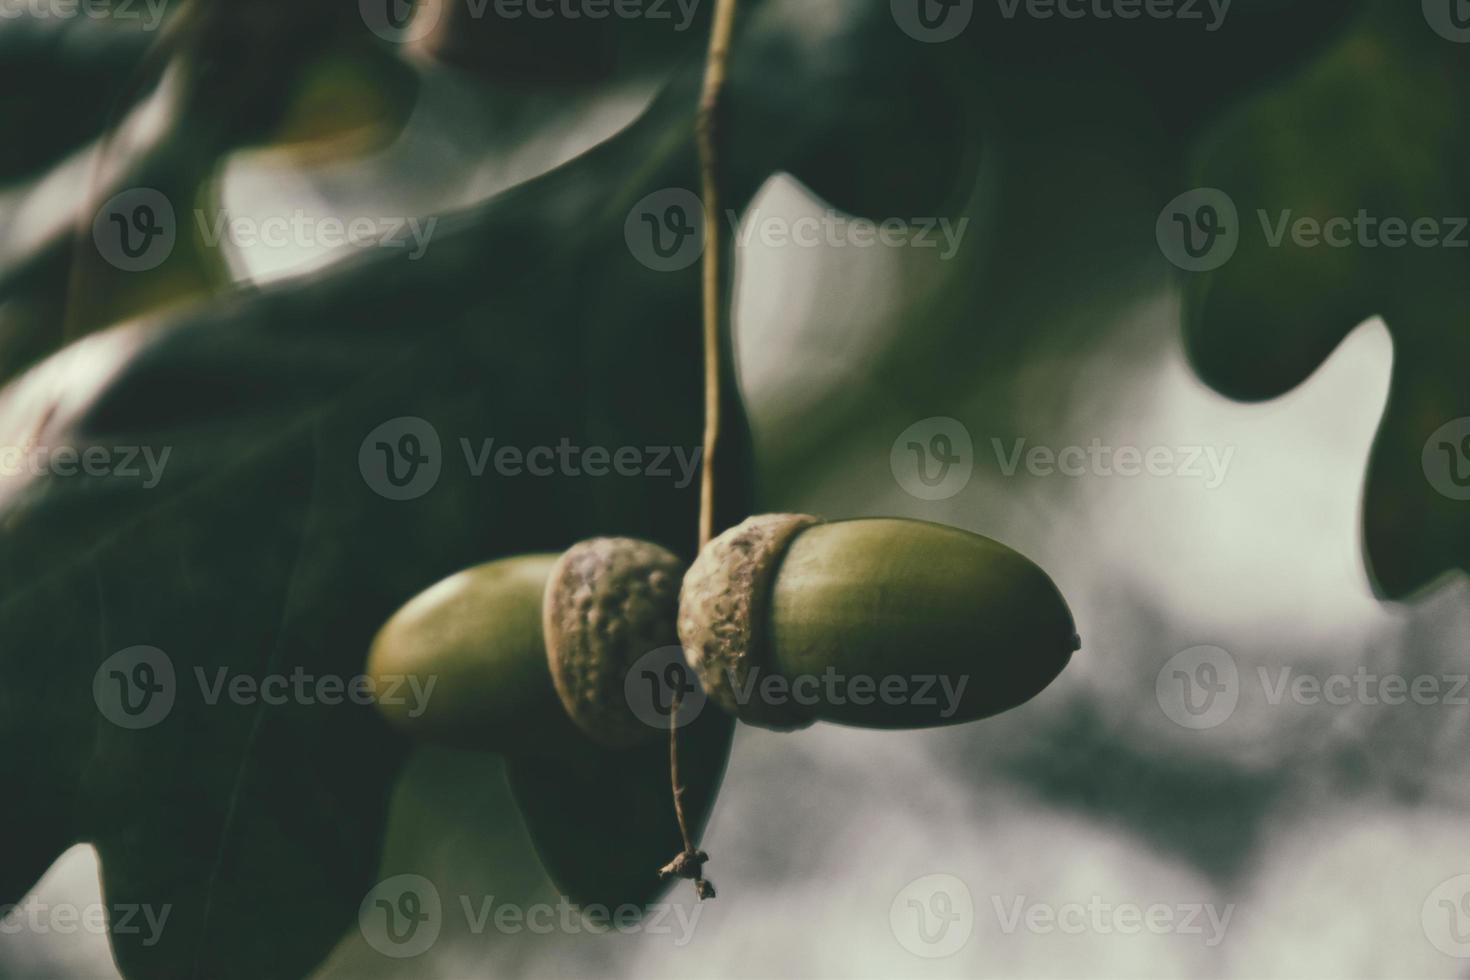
(1180, 802)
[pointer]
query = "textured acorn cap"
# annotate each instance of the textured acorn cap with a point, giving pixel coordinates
(609, 601)
(722, 609)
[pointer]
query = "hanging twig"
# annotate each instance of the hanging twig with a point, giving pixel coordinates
(690, 862)
(706, 132)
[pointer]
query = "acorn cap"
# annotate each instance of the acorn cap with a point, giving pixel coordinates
(721, 611)
(609, 601)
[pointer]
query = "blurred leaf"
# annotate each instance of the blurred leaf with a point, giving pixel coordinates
(1371, 130)
(83, 64)
(263, 549)
(233, 84)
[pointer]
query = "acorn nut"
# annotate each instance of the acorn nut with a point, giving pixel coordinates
(531, 653)
(883, 623)
(480, 637)
(476, 637)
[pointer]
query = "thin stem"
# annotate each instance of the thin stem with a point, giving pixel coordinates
(706, 131)
(690, 862)
(675, 703)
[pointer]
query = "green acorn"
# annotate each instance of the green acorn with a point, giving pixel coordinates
(477, 637)
(524, 651)
(882, 623)
(528, 657)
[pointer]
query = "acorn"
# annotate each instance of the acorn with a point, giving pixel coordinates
(529, 657)
(519, 647)
(881, 623)
(477, 637)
